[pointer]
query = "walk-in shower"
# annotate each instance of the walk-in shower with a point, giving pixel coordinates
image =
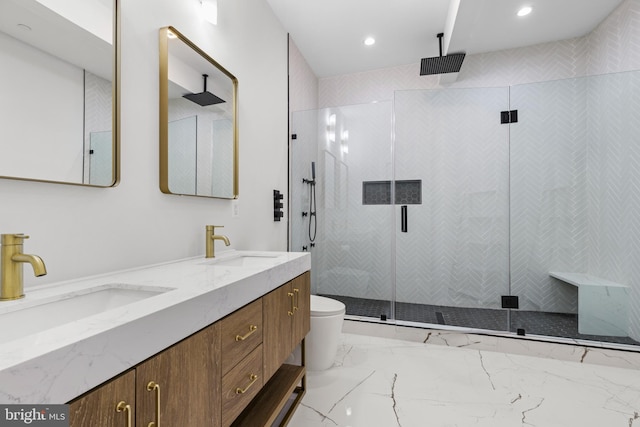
(438, 208)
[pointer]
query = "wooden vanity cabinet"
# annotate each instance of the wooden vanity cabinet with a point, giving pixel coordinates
(98, 407)
(241, 333)
(181, 385)
(287, 318)
(230, 373)
(302, 320)
(287, 314)
(242, 376)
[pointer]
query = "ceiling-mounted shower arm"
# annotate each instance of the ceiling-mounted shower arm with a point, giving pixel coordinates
(205, 76)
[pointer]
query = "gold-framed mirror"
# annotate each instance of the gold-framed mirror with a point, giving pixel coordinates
(59, 109)
(198, 121)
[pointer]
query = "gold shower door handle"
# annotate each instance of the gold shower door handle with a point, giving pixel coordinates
(293, 305)
(252, 329)
(123, 407)
(151, 387)
(253, 378)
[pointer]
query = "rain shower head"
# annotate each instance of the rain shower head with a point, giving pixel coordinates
(204, 98)
(441, 64)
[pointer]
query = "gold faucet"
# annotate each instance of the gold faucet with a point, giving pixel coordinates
(11, 256)
(210, 239)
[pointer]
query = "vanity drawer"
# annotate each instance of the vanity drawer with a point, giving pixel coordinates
(241, 385)
(241, 333)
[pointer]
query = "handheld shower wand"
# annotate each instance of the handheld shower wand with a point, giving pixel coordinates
(313, 222)
(311, 181)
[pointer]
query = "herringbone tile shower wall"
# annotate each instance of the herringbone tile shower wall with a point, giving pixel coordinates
(548, 192)
(455, 251)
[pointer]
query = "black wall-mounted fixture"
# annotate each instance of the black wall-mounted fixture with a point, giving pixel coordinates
(510, 301)
(508, 117)
(277, 205)
(403, 218)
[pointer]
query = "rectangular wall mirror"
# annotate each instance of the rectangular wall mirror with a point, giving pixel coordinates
(58, 108)
(198, 128)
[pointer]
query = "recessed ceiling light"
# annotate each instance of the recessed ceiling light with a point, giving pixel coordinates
(369, 41)
(524, 11)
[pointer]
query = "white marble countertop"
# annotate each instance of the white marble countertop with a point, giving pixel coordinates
(57, 364)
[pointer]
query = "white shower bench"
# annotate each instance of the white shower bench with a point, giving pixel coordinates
(602, 305)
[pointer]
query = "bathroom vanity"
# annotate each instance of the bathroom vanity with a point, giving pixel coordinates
(199, 342)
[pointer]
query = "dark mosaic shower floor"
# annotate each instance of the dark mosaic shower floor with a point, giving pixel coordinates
(533, 322)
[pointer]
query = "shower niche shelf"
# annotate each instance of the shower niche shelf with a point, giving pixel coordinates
(407, 192)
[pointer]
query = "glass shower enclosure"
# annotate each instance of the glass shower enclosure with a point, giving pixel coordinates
(497, 209)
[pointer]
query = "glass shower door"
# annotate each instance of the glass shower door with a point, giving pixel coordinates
(451, 170)
(101, 158)
(348, 232)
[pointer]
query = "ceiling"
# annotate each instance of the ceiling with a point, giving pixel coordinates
(330, 33)
(34, 23)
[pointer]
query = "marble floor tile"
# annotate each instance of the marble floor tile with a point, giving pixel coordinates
(388, 382)
(528, 345)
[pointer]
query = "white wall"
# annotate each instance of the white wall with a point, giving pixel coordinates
(49, 98)
(303, 83)
(80, 231)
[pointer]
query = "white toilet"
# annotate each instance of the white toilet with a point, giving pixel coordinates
(327, 316)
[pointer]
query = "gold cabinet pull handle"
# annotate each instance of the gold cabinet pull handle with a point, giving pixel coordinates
(252, 329)
(297, 299)
(293, 306)
(123, 407)
(253, 378)
(151, 387)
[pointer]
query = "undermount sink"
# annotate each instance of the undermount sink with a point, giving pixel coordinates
(246, 261)
(37, 316)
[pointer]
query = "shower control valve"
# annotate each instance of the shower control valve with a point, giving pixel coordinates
(277, 205)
